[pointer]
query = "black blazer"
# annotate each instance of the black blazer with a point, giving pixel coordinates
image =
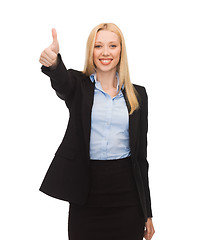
(68, 175)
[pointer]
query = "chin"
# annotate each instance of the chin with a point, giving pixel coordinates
(106, 68)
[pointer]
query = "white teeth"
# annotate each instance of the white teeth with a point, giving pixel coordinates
(105, 61)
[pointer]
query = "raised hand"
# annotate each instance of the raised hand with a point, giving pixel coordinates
(49, 56)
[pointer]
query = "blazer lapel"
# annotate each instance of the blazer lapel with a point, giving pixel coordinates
(87, 104)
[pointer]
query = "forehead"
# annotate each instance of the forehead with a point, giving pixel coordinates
(106, 36)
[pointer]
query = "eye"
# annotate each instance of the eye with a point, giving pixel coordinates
(113, 46)
(98, 46)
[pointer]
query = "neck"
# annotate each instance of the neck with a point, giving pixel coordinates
(107, 79)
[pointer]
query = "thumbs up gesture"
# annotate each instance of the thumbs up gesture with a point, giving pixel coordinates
(49, 56)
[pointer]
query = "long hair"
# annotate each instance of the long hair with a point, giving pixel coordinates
(122, 67)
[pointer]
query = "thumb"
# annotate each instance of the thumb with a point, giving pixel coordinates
(54, 45)
(54, 35)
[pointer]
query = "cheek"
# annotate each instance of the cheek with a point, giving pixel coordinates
(118, 52)
(95, 59)
(117, 55)
(95, 56)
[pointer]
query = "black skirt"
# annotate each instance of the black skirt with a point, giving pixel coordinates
(113, 210)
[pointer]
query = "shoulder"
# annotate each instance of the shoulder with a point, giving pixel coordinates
(79, 75)
(141, 92)
(139, 88)
(76, 72)
(70, 71)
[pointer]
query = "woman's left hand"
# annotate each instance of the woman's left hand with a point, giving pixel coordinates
(149, 231)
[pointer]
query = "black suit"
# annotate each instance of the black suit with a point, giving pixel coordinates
(68, 175)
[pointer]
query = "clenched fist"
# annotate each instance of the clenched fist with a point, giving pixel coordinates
(49, 55)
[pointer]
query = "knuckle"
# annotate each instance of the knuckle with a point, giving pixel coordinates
(46, 51)
(42, 55)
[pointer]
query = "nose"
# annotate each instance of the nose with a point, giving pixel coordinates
(105, 51)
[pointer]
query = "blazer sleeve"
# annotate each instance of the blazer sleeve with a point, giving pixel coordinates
(62, 80)
(142, 158)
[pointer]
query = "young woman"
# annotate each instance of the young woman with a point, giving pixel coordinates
(101, 165)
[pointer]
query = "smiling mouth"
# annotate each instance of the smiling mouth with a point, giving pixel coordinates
(105, 61)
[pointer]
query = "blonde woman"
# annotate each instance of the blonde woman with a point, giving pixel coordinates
(101, 165)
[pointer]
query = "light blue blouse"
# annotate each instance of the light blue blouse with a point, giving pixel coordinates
(109, 137)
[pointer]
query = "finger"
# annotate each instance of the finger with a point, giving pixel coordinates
(152, 232)
(54, 35)
(43, 63)
(148, 234)
(43, 60)
(52, 55)
(47, 56)
(147, 237)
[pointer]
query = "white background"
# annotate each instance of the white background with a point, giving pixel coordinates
(164, 46)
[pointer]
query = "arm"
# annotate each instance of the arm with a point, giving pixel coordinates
(53, 66)
(61, 79)
(142, 157)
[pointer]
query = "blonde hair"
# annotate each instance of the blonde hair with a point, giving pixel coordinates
(122, 67)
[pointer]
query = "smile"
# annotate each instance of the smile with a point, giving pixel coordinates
(105, 61)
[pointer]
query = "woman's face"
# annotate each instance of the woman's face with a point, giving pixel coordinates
(107, 49)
